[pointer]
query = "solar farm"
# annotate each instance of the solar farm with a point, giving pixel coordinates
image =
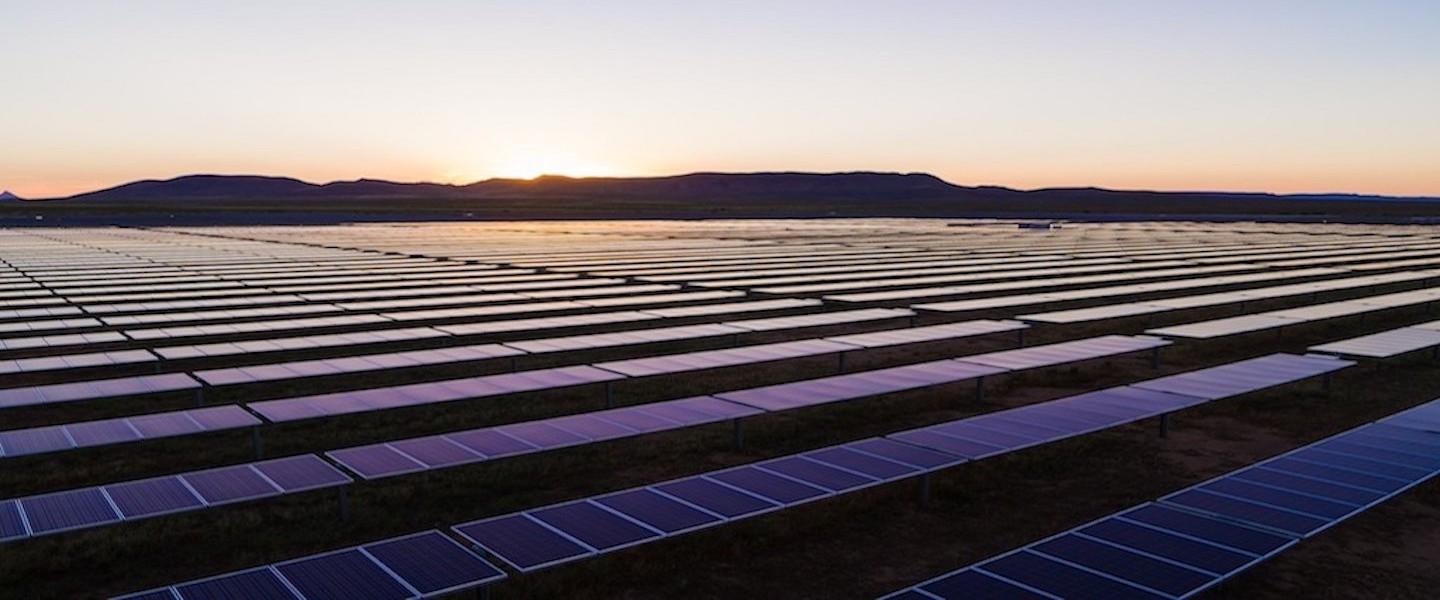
(859, 408)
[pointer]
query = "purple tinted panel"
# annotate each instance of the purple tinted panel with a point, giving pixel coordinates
(255, 584)
(98, 433)
(595, 526)
(974, 585)
(636, 419)
(1124, 564)
(1365, 464)
(346, 575)
(817, 474)
(716, 408)
(715, 498)
(1167, 545)
(1245, 490)
(490, 443)
(944, 443)
(858, 462)
(301, 473)
(164, 594)
(230, 484)
(676, 411)
(431, 562)
(280, 411)
(164, 424)
(905, 453)
(1062, 580)
(1031, 423)
(436, 451)
(34, 441)
(1247, 512)
(658, 511)
(969, 430)
(223, 417)
(152, 497)
(11, 525)
(1392, 454)
(68, 510)
(591, 427)
(540, 434)
(522, 542)
(1306, 485)
(375, 461)
(1210, 529)
(767, 485)
(1335, 474)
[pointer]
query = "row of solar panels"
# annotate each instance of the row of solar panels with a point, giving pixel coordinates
(570, 531)
(1296, 316)
(63, 437)
(1222, 298)
(441, 451)
(486, 327)
(1198, 537)
(126, 386)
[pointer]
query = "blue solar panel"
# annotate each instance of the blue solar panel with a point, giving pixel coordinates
(658, 511)
(522, 542)
(1200, 555)
(489, 442)
(817, 474)
(1307, 485)
(12, 525)
(255, 584)
(1254, 512)
(436, 451)
(1212, 530)
(914, 456)
(1062, 580)
(595, 526)
(767, 485)
(974, 585)
(343, 575)
(1133, 567)
(230, 484)
(1393, 457)
(304, 472)
(68, 510)
(164, 594)
(152, 497)
(1278, 498)
(433, 563)
(860, 462)
(721, 500)
(1335, 474)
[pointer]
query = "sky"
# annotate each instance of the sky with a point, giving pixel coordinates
(1255, 95)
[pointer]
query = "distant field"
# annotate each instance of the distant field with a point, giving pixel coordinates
(327, 340)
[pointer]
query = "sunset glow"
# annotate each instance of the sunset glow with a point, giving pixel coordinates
(1216, 94)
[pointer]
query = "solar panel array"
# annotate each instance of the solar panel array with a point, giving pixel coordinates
(143, 336)
(1197, 537)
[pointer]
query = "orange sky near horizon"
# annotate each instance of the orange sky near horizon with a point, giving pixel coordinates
(1222, 95)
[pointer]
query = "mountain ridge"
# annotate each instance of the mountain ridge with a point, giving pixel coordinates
(867, 185)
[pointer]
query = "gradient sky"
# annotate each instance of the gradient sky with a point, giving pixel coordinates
(1283, 96)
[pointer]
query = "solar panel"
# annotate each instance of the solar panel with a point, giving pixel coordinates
(22, 442)
(1197, 537)
(523, 542)
(423, 564)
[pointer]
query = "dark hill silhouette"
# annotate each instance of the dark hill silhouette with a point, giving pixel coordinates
(204, 198)
(697, 185)
(6, 195)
